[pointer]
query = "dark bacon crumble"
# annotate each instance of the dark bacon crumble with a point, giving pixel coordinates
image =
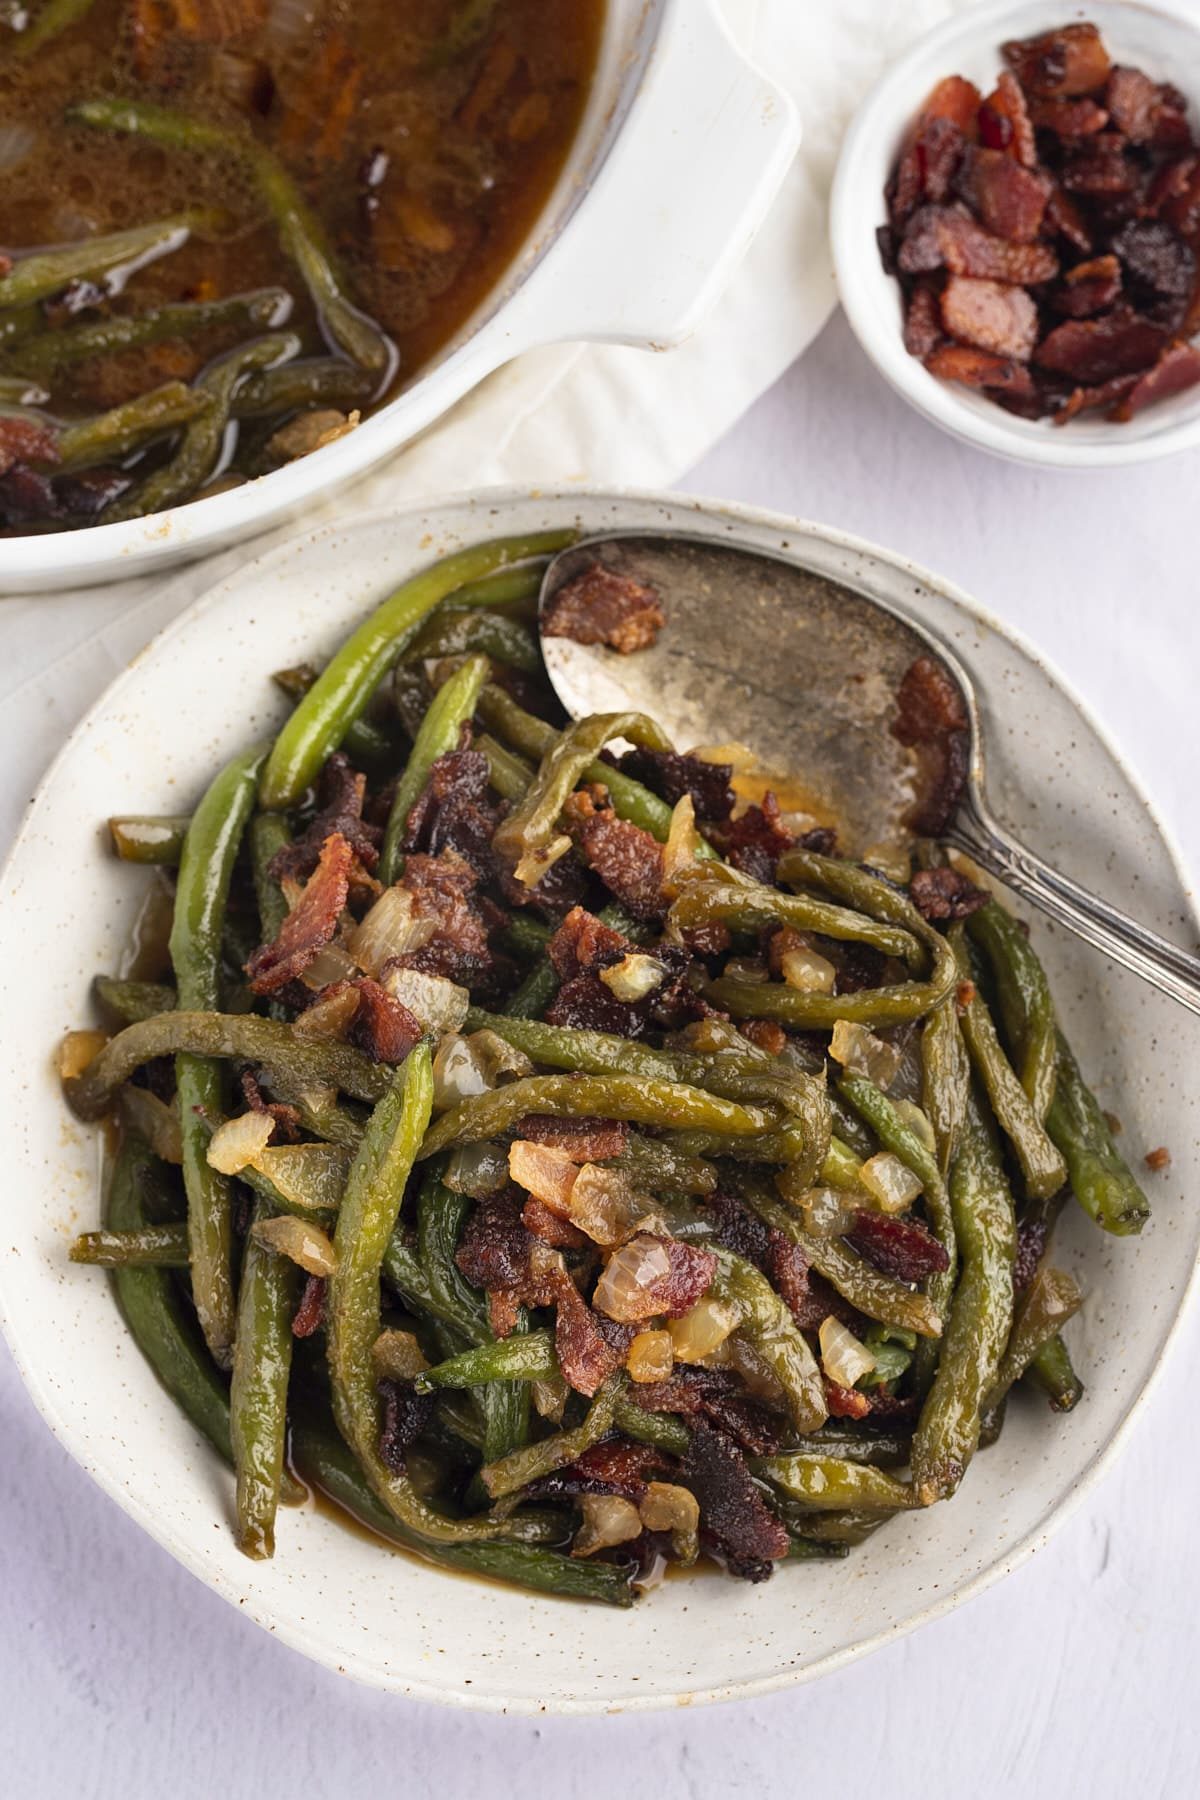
(599, 606)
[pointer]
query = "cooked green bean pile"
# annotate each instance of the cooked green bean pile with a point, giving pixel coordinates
(565, 1167)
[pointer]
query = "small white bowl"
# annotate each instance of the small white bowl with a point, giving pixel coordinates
(1162, 40)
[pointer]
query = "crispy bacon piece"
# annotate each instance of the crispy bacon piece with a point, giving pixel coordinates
(808, 1295)
(627, 859)
(755, 842)
(1068, 119)
(455, 811)
(1009, 199)
(311, 923)
(734, 1518)
(383, 1028)
(583, 945)
(586, 1356)
(1159, 266)
(845, 1403)
(718, 1397)
(340, 797)
(672, 776)
(599, 606)
(991, 315)
(285, 1119)
(614, 1466)
(927, 162)
(923, 322)
(25, 440)
(586, 1140)
(981, 369)
(1065, 219)
(554, 1230)
(1094, 350)
(1059, 64)
(493, 1250)
(1134, 103)
(584, 1004)
(1089, 399)
(1004, 122)
(931, 719)
(1090, 287)
(945, 893)
(1177, 369)
(443, 888)
(405, 1416)
(766, 1034)
(309, 1315)
(901, 1247)
(740, 1230)
(1102, 173)
(946, 237)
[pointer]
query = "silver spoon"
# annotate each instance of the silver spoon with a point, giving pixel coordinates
(761, 651)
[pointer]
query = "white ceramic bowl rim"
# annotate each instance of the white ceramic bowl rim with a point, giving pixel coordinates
(1162, 38)
(484, 515)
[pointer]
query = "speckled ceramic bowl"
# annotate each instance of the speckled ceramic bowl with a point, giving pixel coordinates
(202, 689)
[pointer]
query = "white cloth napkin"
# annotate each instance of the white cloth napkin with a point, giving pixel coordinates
(598, 415)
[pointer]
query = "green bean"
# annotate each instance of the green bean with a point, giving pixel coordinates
(525, 937)
(865, 1287)
(403, 1272)
(1050, 1300)
(53, 18)
(269, 835)
(881, 1449)
(661, 1430)
(300, 234)
(161, 1327)
(133, 1001)
(533, 995)
(829, 1483)
(1023, 995)
(454, 632)
(313, 381)
(509, 774)
(323, 1460)
(1040, 1162)
(365, 741)
(1052, 1370)
(643, 1101)
(53, 351)
(1100, 1178)
(831, 1528)
(441, 730)
(525, 1357)
(342, 689)
(112, 435)
(139, 839)
(201, 444)
(532, 1461)
(202, 888)
(766, 1323)
(945, 1079)
(151, 1246)
(46, 272)
(262, 1361)
(802, 1549)
(722, 895)
(657, 1167)
(508, 587)
(980, 1316)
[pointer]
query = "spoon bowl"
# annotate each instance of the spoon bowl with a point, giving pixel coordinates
(761, 651)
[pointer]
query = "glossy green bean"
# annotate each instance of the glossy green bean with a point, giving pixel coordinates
(54, 351)
(262, 1360)
(656, 1167)
(945, 1080)
(532, 1461)
(766, 1323)
(525, 937)
(1101, 1180)
(1024, 1000)
(45, 272)
(345, 685)
(309, 382)
(829, 1483)
(1051, 1299)
(132, 1001)
(365, 739)
(152, 1246)
(1040, 1162)
(721, 895)
(884, 1449)
(109, 436)
(980, 1315)
(269, 834)
(528, 1356)
(403, 1272)
(141, 839)
(509, 774)
(1052, 1370)
(441, 729)
(865, 1287)
(466, 631)
(662, 1430)
(201, 890)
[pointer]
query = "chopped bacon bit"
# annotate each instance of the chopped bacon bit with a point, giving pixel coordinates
(941, 894)
(1059, 64)
(627, 859)
(964, 993)
(923, 322)
(767, 1035)
(945, 237)
(583, 945)
(586, 1140)
(755, 842)
(1085, 399)
(311, 923)
(992, 315)
(707, 940)
(1032, 1238)
(340, 795)
(443, 887)
(1068, 119)
(734, 1517)
(1158, 265)
(1094, 350)
(584, 1004)
(930, 718)
(845, 1403)
(1090, 287)
(541, 1222)
(504, 1309)
(1158, 1160)
(25, 440)
(1009, 199)
(740, 1230)
(1004, 122)
(309, 1315)
(493, 1251)
(455, 811)
(1064, 218)
(613, 1466)
(672, 776)
(808, 1295)
(927, 161)
(1177, 369)
(980, 369)
(688, 1278)
(383, 1028)
(901, 1247)
(717, 1396)
(405, 1416)
(286, 1118)
(585, 1355)
(598, 606)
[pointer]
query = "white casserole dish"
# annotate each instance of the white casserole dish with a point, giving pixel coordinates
(681, 151)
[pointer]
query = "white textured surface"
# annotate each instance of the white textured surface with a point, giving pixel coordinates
(123, 1676)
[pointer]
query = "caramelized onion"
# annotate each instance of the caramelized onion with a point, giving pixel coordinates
(607, 1520)
(239, 1141)
(392, 928)
(891, 1183)
(651, 1356)
(304, 1242)
(437, 1004)
(862, 1053)
(634, 977)
(843, 1358)
(702, 1330)
(621, 1291)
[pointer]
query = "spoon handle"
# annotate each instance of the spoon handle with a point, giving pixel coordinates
(1165, 966)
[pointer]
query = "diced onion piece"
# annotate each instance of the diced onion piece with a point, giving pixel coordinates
(634, 977)
(546, 1173)
(549, 1394)
(891, 1183)
(308, 1175)
(329, 1018)
(843, 1358)
(621, 1291)
(153, 1120)
(476, 1169)
(804, 969)
(862, 1053)
(682, 845)
(457, 1072)
(438, 1005)
(303, 1241)
(707, 1036)
(397, 1356)
(239, 1141)
(602, 1203)
(392, 928)
(738, 756)
(536, 863)
(651, 1356)
(702, 1330)
(665, 1506)
(607, 1520)
(917, 1122)
(77, 1050)
(825, 1210)
(330, 964)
